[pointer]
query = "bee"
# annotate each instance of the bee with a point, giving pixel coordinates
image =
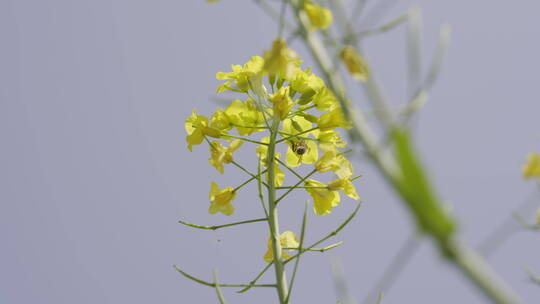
(299, 147)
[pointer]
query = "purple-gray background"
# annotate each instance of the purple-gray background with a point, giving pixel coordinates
(94, 170)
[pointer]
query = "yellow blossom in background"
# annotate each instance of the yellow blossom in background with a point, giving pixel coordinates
(335, 162)
(346, 185)
(287, 240)
(241, 75)
(281, 61)
(319, 17)
(282, 102)
(220, 154)
(220, 199)
(356, 64)
(531, 169)
(323, 198)
(197, 128)
(333, 119)
(538, 217)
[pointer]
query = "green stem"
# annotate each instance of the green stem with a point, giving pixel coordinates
(281, 280)
(300, 249)
(203, 282)
(244, 139)
(253, 176)
(221, 226)
(296, 185)
(252, 283)
(296, 135)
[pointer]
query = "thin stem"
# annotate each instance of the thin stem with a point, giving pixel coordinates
(302, 187)
(249, 173)
(219, 294)
(203, 282)
(297, 184)
(380, 29)
(248, 127)
(252, 283)
(296, 135)
(216, 227)
(332, 233)
(281, 280)
(245, 139)
(300, 246)
(288, 168)
(323, 249)
(259, 188)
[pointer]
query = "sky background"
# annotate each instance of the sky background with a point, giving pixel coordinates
(95, 173)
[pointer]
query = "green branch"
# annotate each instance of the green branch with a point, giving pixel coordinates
(222, 226)
(203, 282)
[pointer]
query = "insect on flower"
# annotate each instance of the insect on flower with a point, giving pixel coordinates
(300, 147)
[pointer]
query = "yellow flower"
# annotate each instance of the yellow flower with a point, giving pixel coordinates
(336, 162)
(220, 199)
(333, 119)
(323, 198)
(538, 217)
(197, 128)
(281, 61)
(262, 150)
(287, 240)
(325, 100)
(220, 154)
(356, 64)
(221, 121)
(330, 140)
(320, 17)
(245, 114)
(241, 76)
(282, 102)
(532, 167)
(344, 184)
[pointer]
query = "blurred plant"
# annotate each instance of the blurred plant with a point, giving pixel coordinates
(302, 112)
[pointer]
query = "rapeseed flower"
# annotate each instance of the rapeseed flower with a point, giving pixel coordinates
(282, 102)
(220, 154)
(346, 185)
(287, 240)
(323, 198)
(241, 76)
(197, 128)
(220, 199)
(335, 162)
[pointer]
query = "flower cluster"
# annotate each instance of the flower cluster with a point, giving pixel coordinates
(289, 106)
